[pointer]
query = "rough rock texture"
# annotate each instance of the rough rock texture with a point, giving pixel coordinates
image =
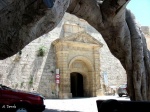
(123, 37)
(23, 21)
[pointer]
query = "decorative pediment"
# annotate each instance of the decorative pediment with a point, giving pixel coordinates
(81, 37)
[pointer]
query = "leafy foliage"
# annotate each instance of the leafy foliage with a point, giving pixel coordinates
(41, 51)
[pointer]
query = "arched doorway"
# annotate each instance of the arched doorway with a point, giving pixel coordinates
(76, 87)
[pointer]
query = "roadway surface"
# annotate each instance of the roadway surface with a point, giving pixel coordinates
(76, 104)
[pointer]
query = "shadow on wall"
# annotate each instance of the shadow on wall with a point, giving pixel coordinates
(10, 70)
(12, 67)
(47, 82)
(53, 110)
(47, 86)
(36, 66)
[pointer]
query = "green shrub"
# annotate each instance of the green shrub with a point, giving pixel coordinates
(31, 81)
(21, 84)
(41, 51)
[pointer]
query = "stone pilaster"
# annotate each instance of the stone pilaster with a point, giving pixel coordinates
(97, 79)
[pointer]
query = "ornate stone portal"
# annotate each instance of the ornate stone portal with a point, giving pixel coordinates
(78, 58)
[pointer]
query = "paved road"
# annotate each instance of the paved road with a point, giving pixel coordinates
(76, 104)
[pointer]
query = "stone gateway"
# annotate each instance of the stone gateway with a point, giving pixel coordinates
(78, 59)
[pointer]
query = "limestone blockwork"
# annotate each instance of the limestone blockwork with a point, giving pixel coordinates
(78, 58)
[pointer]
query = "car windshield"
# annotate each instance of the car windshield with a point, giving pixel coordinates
(4, 87)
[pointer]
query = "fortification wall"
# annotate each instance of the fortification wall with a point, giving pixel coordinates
(31, 72)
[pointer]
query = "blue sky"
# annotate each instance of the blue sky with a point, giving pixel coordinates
(141, 10)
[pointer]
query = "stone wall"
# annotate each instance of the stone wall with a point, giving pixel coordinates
(37, 73)
(146, 30)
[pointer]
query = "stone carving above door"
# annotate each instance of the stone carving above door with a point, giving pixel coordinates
(81, 37)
